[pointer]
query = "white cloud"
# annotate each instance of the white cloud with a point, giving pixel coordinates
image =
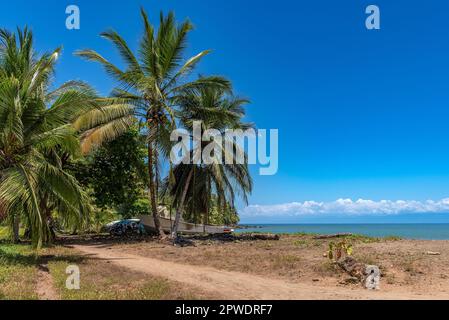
(347, 207)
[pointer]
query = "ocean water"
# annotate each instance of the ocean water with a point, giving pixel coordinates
(438, 231)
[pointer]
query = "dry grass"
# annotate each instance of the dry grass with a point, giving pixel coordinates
(295, 258)
(301, 258)
(17, 272)
(101, 280)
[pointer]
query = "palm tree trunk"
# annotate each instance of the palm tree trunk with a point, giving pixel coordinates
(206, 214)
(16, 229)
(156, 164)
(51, 228)
(152, 192)
(174, 234)
(50, 234)
(209, 199)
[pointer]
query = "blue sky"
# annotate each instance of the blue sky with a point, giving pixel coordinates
(361, 114)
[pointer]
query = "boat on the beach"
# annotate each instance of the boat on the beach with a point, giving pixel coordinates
(167, 221)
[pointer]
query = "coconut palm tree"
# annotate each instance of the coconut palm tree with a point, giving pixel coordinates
(38, 134)
(152, 80)
(195, 184)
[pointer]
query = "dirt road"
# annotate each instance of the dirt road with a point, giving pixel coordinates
(237, 285)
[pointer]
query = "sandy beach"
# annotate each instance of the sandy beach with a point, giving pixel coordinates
(295, 267)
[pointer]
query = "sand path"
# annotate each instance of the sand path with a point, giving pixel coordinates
(237, 285)
(45, 289)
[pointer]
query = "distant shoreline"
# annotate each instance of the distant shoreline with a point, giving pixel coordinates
(418, 231)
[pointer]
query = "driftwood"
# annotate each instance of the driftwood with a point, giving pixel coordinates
(352, 267)
(368, 275)
(259, 236)
(235, 237)
(331, 236)
(182, 242)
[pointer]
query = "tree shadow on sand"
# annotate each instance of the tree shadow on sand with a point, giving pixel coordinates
(15, 258)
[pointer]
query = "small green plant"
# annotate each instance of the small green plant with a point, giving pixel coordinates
(392, 238)
(300, 243)
(339, 250)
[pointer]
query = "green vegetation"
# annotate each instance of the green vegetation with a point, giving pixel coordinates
(353, 237)
(116, 175)
(17, 272)
(367, 239)
(71, 160)
(41, 129)
(307, 243)
(155, 83)
(339, 250)
(201, 188)
(4, 233)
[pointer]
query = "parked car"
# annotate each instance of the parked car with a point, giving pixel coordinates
(127, 227)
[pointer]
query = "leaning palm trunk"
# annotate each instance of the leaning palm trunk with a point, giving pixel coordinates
(174, 234)
(155, 81)
(152, 191)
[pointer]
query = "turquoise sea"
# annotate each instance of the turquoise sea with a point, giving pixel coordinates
(407, 231)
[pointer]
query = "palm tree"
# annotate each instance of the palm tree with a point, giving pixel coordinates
(37, 135)
(152, 81)
(196, 184)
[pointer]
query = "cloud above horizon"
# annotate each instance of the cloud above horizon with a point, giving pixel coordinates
(347, 207)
